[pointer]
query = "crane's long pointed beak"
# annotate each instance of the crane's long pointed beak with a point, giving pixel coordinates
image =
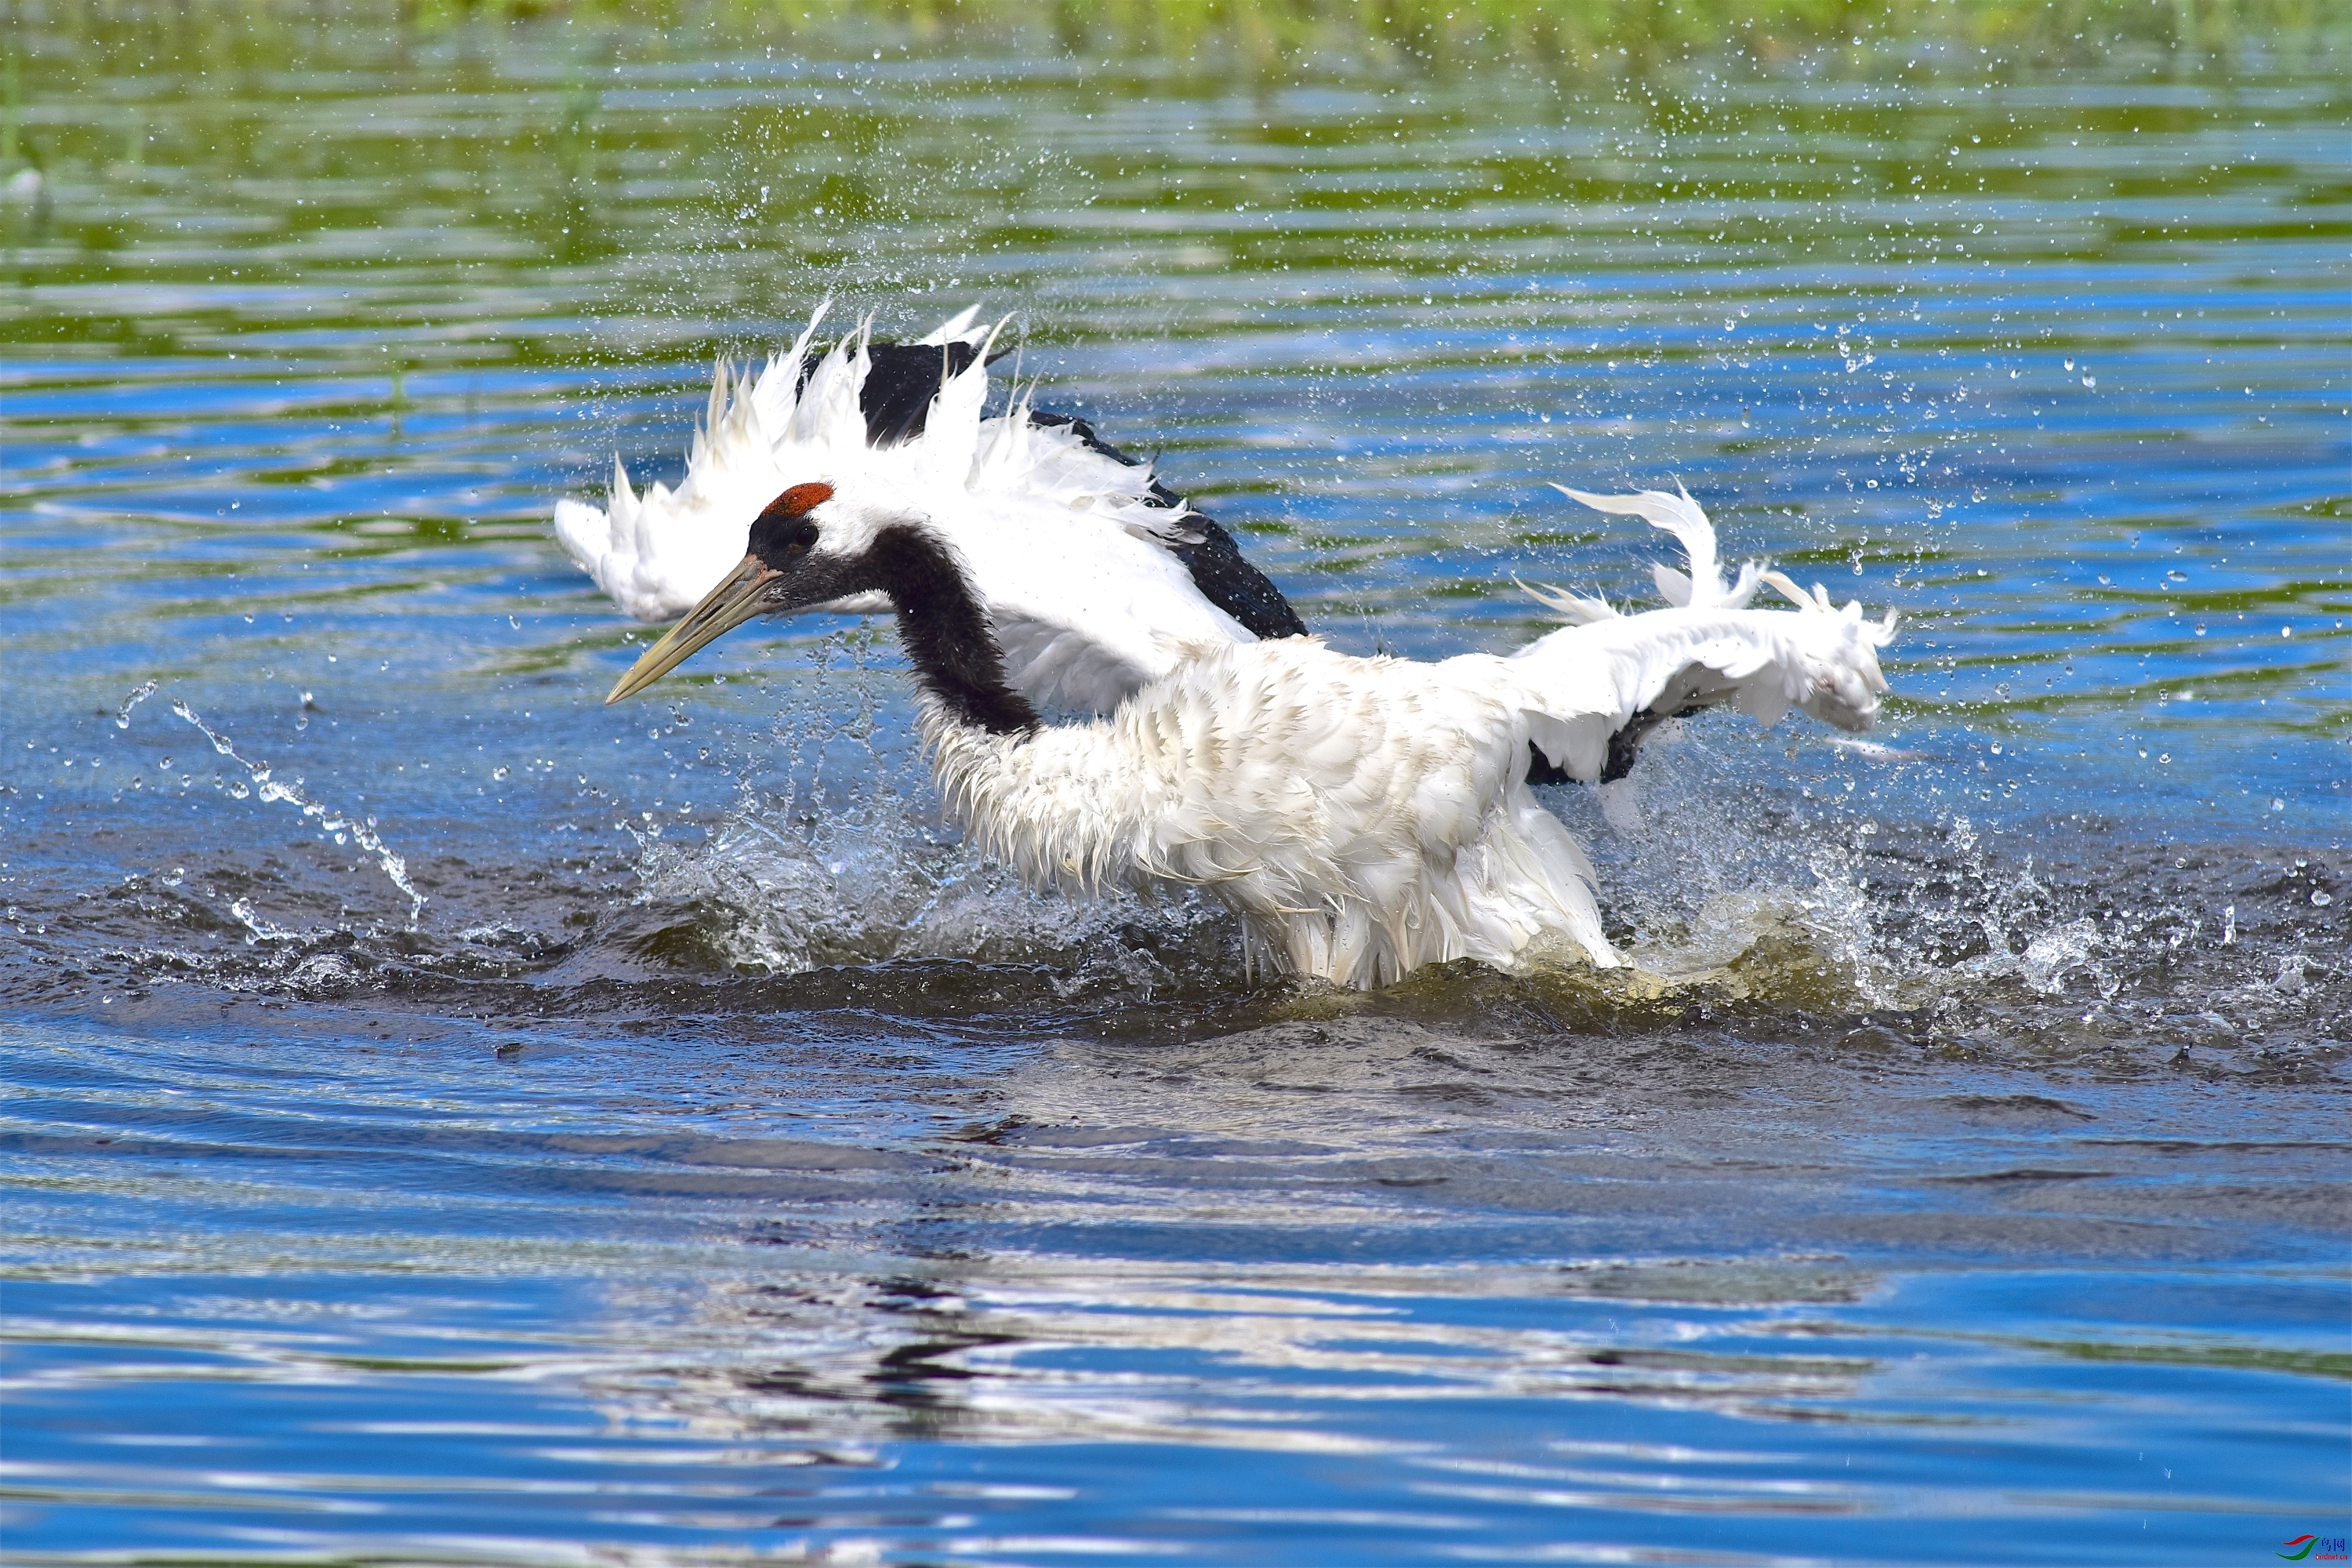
(724, 608)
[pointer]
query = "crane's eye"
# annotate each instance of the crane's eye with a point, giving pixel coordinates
(784, 533)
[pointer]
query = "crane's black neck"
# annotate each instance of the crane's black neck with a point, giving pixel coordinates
(945, 632)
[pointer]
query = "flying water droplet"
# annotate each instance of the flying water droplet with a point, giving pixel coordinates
(139, 694)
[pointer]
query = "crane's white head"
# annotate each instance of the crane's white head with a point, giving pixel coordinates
(817, 544)
(808, 546)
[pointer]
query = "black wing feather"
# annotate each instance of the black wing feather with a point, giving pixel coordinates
(901, 380)
(1219, 570)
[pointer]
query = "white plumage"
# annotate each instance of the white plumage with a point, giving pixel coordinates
(1362, 816)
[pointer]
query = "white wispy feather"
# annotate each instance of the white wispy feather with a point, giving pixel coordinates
(1704, 588)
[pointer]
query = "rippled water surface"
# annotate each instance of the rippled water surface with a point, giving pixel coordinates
(452, 1121)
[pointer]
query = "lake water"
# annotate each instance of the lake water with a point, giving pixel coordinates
(450, 1121)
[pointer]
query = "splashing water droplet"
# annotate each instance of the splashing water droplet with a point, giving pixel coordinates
(139, 694)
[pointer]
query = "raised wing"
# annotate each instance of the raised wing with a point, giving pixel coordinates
(1598, 685)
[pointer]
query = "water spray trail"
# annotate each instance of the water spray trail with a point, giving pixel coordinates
(331, 821)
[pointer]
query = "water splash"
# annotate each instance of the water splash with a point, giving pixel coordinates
(264, 929)
(840, 857)
(2051, 957)
(1711, 877)
(139, 694)
(786, 890)
(330, 821)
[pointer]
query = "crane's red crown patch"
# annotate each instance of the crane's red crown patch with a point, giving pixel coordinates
(801, 498)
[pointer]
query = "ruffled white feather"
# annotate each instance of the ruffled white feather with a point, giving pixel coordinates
(761, 432)
(1708, 649)
(1365, 816)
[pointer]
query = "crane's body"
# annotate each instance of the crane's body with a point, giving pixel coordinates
(1362, 816)
(1365, 816)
